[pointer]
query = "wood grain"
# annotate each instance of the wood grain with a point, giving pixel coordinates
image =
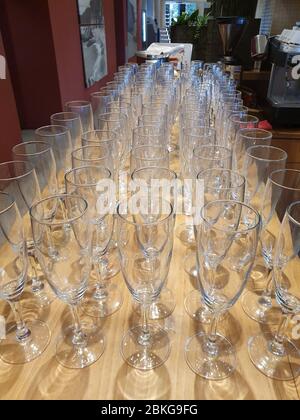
(111, 378)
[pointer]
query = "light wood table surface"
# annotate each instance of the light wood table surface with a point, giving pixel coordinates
(111, 378)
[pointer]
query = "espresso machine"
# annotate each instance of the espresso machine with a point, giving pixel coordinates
(231, 30)
(284, 88)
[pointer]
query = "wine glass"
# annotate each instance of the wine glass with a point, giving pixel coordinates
(149, 156)
(226, 247)
(94, 184)
(204, 157)
(155, 182)
(191, 138)
(260, 162)
(246, 138)
(147, 135)
(116, 122)
(109, 139)
(25, 341)
(277, 356)
(93, 156)
(72, 121)
(62, 232)
(41, 156)
(216, 184)
(19, 179)
(59, 138)
(237, 123)
(85, 111)
(99, 101)
(145, 240)
(282, 189)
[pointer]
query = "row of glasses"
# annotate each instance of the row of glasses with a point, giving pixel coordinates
(93, 183)
(276, 356)
(23, 342)
(260, 162)
(20, 180)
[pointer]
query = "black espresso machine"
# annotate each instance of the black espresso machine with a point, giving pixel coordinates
(284, 88)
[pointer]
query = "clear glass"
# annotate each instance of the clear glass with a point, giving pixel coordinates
(224, 262)
(59, 138)
(260, 162)
(147, 135)
(19, 179)
(93, 184)
(237, 123)
(145, 246)
(116, 122)
(158, 182)
(191, 137)
(275, 355)
(247, 138)
(23, 342)
(99, 101)
(217, 184)
(41, 156)
(145, 156)
(62, 233)
(93, 156)
(282, 189)
(108, 139)
(72, 121)
(85, 111)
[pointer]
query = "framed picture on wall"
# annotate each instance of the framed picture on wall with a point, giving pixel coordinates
(93, 40)
(132, 17)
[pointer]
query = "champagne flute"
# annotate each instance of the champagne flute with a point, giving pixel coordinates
(62, 232)
(25, 341)
(226, 246)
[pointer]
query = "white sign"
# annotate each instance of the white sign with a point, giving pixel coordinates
(2, 67)
(296, 69)
(2, 328)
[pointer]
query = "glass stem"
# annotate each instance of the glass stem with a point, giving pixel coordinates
(79, 338)
(37, 285)
(277, 345)
(266, 297)
(212, 347)
(23, 333)
(144, 339)
(101, 287)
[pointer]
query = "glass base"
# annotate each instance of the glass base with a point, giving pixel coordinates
(185, 233)
(161, 309)
(17, 353)
(73, 357)
(103, 308)
(190, 264)
(146, 357)
(197, 310)
(259, 312)
(213, 368)
(281, 368)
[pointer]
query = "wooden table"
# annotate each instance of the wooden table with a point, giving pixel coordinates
(111, 378)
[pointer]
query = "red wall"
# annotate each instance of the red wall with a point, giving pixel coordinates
(27, 37)
(42, 40)
(67, 44)
(10, 133)
(121, 30)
